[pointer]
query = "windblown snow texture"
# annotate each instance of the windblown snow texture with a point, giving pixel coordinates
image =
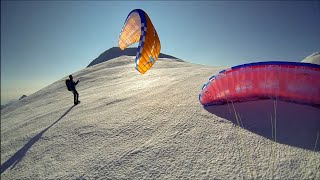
(151, 126)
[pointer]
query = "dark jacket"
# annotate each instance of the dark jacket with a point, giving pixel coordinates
(73, 85)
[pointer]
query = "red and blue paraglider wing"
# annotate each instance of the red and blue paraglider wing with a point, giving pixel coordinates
(287, 81)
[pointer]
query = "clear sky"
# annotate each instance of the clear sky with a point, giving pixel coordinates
(42, 42)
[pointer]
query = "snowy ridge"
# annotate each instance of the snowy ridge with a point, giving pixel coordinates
(313, 58)
(151, 126)
(115, 52)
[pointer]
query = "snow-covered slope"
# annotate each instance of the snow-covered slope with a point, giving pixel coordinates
(133, 126)
(313, 58)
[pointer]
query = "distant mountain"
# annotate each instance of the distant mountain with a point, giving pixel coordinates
(313, 58)
(115, 52)
(23, 96)
(12, 101)
(8, 104)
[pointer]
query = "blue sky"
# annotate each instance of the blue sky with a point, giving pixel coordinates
(42, 42)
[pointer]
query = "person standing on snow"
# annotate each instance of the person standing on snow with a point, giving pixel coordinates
(72, 87)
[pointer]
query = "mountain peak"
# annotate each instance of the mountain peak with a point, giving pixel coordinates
(115, 52)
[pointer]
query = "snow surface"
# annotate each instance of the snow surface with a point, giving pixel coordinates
(152, 126)
(313, 58)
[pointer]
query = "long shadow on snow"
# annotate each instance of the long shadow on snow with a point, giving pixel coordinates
(292, 124)
(17, 157)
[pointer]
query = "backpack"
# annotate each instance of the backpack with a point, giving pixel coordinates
(68, 84)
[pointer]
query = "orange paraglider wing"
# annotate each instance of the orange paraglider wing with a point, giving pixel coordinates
(138, 27)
